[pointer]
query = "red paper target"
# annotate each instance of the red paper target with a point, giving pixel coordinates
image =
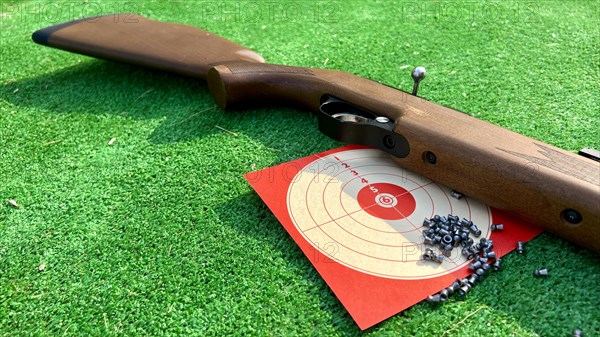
(362, 210)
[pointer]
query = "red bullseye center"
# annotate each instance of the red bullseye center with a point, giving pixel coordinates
(386, 201)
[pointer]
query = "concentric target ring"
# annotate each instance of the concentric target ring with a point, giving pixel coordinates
(371, 211)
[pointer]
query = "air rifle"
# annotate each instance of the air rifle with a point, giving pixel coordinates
(550, 187)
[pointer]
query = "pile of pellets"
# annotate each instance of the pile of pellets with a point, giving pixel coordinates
(447, 233)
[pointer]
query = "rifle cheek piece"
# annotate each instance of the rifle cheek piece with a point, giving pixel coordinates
(351, 124)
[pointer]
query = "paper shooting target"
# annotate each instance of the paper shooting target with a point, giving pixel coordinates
(360, 209)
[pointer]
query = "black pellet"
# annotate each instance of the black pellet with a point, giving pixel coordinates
(443, 232)
(464, 289)
(453, 287)
(434, 298)
(468, 253)
(520, 247)
(476, 231)
(456, 194)
(497, 264)
(473, 279)
(444, 294)
(475, 265)
(497, 227)
(428, 254)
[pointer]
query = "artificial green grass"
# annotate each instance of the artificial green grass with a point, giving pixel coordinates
(159, 234)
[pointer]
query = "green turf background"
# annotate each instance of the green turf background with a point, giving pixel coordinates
(159, 234)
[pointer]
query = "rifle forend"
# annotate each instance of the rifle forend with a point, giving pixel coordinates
(550, 187)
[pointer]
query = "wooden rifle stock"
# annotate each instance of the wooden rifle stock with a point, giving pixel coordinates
(556, 189)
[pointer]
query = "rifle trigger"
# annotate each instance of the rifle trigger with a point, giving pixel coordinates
(351, 124)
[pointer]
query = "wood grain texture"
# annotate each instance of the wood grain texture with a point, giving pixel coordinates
(507, 170)
(134, 39)
(504, 169)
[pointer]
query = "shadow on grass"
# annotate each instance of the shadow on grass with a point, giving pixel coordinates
(108, 88)
(186, 111)
(259, 223)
